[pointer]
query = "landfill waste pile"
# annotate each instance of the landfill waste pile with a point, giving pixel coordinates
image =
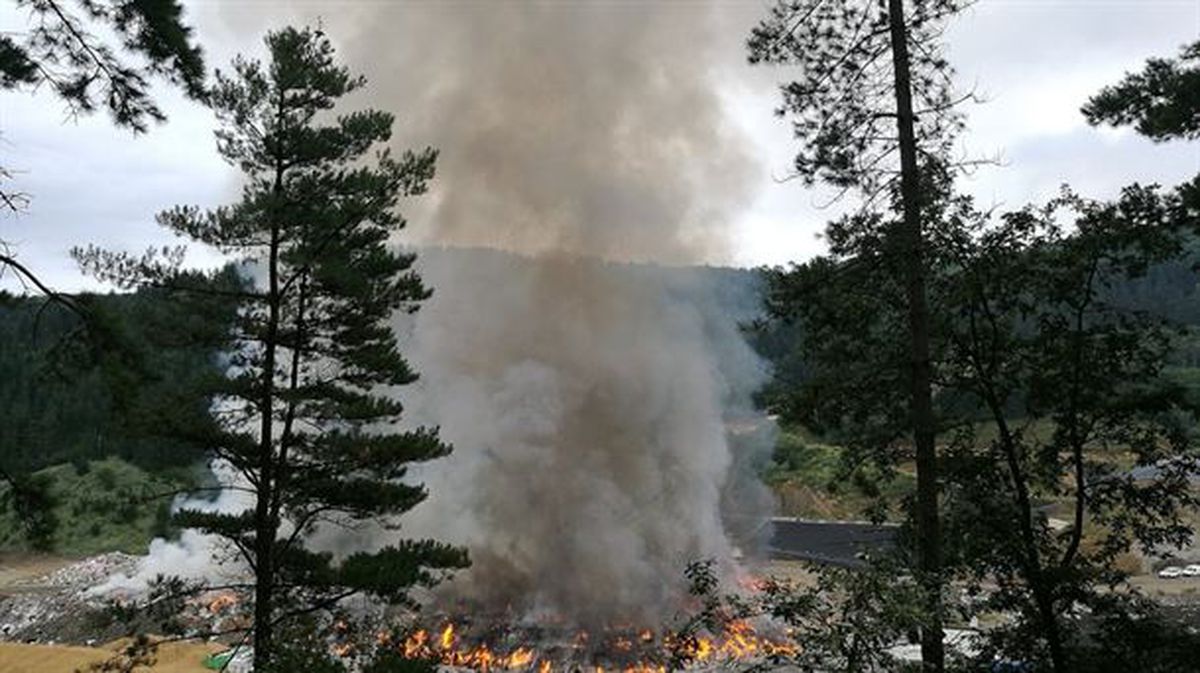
(57, 607)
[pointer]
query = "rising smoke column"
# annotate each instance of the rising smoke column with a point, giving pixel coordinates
(585, 402)
(585, 398)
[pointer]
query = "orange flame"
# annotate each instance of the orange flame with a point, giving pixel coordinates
(343, 649)
(222, 601)
(739, 640)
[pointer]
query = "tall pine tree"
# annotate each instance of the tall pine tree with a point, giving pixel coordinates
(302, 417)
(874, 108)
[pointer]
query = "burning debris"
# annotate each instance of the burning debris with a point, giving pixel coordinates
(64, 606)
(488, 646)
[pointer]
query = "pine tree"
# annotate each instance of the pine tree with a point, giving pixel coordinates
(1161, 101)
(303, 417)
(1053, 394)
(874, 109)
(62, 51)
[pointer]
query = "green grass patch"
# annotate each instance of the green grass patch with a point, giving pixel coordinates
(98, 506)
(1188, 377)
(806, 474)
(801, 458)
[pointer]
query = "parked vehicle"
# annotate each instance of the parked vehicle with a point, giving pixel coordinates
(1192, 570)
(1170, 572)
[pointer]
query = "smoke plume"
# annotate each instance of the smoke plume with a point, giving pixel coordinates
(587, 397)
(586, 402)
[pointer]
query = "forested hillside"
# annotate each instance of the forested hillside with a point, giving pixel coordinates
(64, 402)
(95, 385)
(101, 386)
(1166, 291)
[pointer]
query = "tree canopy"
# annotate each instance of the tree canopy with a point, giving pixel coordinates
(306, 415)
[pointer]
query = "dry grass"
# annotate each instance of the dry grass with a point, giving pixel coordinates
(18, 570)
(177, 657)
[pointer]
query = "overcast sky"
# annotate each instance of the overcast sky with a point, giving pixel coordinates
(1036, 60)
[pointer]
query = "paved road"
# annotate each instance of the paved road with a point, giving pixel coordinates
(1153, 471)
(832, 542)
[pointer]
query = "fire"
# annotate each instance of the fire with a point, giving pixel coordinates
(222, 601)
(645, 652)
(521, 658)
(416, 644)
(343, 649)
(704, 649)
(739, 641)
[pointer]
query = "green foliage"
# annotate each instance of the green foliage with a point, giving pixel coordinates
(304, 413)
(842, 101)
(1136, 635)
(79, 391)
(849, 619)
(109, 507)
(874, 107)
(108, 382)
(304, 649)
(1035, 333)
(815, 478)
(1031, 337)
(800, 456)
(1160, 101)
(1052, 378)
(61, 51)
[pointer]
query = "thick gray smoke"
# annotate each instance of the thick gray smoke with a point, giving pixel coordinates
(585, 128)
(587, 405)
(587, 398)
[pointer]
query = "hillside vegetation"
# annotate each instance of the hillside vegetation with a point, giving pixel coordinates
(83, 425)
(98, 506)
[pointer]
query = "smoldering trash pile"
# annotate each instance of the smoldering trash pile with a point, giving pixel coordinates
(56, 607)
(64, 607)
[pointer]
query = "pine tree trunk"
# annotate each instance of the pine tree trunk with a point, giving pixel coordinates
(1045, 606)
(265, 526)
(921, 405)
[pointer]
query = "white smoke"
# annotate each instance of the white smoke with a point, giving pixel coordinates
(194, 556)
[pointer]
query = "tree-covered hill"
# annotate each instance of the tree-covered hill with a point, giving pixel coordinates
(64, 397)
(75, 390)
(95, 383)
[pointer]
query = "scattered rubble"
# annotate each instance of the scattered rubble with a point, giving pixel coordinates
(58, 607)
(92, 571)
